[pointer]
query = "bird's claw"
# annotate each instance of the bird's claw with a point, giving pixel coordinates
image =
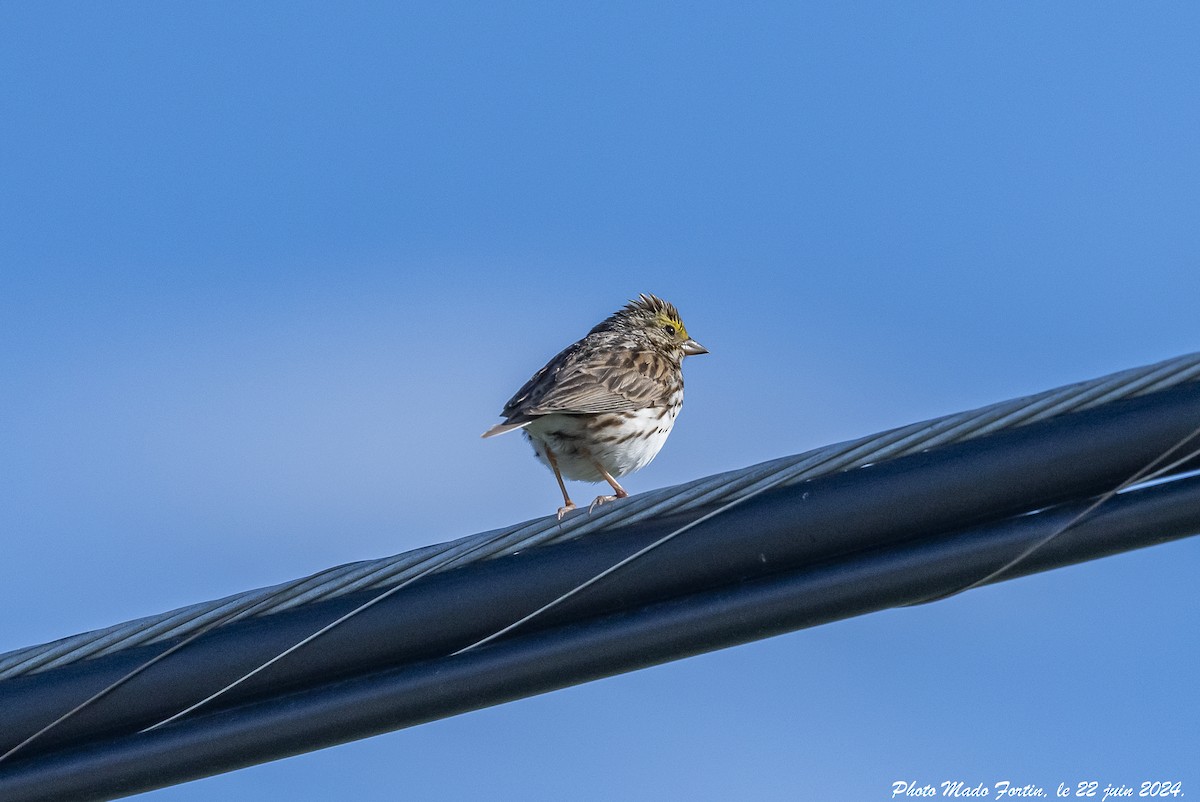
(563, 510)
(601, 500)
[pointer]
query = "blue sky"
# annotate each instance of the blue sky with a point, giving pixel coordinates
(270, 269)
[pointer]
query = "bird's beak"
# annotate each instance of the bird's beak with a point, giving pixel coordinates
(693, 348)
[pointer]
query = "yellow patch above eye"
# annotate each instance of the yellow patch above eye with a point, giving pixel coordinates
(663, 319)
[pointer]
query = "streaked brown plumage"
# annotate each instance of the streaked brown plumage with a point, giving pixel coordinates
(604, 406)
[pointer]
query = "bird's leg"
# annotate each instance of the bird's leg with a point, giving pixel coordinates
(619, 491)
(568, 505)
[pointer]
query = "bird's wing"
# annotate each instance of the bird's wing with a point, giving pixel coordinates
(616, 381)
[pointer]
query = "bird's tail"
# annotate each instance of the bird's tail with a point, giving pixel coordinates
(501, 428)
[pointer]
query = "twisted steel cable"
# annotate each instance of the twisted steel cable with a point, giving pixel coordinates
(720, 488)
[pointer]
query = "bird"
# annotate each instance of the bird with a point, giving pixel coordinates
(603, 407)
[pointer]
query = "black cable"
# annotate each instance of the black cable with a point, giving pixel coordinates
(786, 530)
(1078, 455)
(622, 641)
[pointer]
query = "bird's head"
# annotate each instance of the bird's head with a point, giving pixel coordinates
(659, 321)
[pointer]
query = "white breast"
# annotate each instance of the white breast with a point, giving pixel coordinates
(628, 442)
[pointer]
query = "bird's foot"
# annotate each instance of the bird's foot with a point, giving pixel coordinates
(564, 509)
(604, 500)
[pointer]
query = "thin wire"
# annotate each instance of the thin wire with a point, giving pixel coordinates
(216, 623)
(435, 568)
(1142, 474)
(345, 617)
(1147, 473)
(100, 694)
(204, 629)
(282, 654)
(370, 603)
(612, 569)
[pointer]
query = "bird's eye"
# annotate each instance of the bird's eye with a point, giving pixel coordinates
(669, 329)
